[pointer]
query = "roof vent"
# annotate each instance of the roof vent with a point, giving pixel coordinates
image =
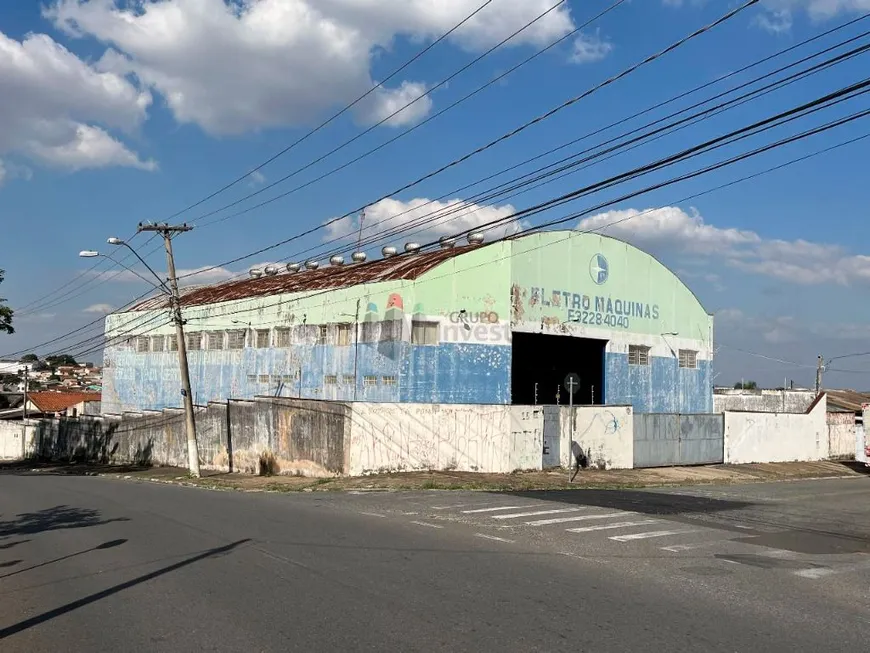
(389, 251)
(359, 257)
(312, 265)
(447, 242)
(336, 260)
(255, 273)
(271, 270)
(412, 248)
(475, 238)
(293, 267)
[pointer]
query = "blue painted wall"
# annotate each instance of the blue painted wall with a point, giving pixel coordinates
(396, 371)
(660, 387)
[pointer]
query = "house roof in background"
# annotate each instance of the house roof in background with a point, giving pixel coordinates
(53, 402)
(847, 400)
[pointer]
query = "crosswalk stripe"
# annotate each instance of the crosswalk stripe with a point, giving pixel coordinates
(676, 548)
(471, 512)
(620, 524)
(646, 535)
(514, 515)
(563, 520)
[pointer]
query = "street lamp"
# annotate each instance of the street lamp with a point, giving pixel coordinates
(171, 290)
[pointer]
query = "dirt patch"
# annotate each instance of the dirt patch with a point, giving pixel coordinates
(540, 480)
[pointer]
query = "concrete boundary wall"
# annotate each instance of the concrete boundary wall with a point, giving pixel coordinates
(307, 437)
(11, 447)
(602, 436)
(777, 437)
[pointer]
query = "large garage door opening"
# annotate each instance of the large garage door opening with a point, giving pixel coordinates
(540, 363)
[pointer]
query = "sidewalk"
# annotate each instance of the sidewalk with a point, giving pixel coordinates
(542, 480)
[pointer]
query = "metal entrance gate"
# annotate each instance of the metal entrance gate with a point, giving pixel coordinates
(666, 439)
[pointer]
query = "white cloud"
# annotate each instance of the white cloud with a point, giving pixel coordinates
(234, 66)
(103, 309)
(589, 48)
(51, 103)
(670, 229)
(257, 178)
(776, 22)
(384, 103)
(426, 220)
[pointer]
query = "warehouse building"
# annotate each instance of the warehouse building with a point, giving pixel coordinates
(476, 323)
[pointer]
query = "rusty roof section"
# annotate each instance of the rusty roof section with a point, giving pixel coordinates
(401, 267)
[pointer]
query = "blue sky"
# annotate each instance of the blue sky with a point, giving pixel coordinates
(112, 113)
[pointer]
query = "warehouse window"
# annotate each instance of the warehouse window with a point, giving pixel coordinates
(262, 338)
(142, 345)
(344, 335)
(289, 378)
(283, 337)
(389, 380)
(252, 378)
(370, 381)
(638, 355)
(322, 334)
(330, 379)
(264, 378)
(391, 330)
(424, 333)
(348, 379)
(370, 332)
(214, 340)
(688, 359)
(236, 339)
(305, 334)
(157, 343)
(194, 341)
(172, 344)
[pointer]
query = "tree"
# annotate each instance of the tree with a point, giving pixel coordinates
(5, 313)
(29, 358)
(60, 359)
(746, 385)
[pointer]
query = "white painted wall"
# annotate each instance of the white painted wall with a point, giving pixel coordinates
(10, 440)
(841, 435)
(409, 437)
(604, 433)
(776, 437)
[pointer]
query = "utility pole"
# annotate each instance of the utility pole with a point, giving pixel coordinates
(24, 418)
(819, 371)
(167, 232)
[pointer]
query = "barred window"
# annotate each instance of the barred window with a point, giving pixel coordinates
(236, 339)
(289, 378)
(389, 380)
(214, 340)
(142, 344)
(158, 343)
(330, 379)
(283, 337)
(344, 335)
(322, 334)
(264, 378)
(348, 379)
(172, 344)
(252, 378)
(424, 333)
(638, 355)
(194, 341)
(370, 332)
(688, 359)
(391, 330)
(262, 338)
(370, 381)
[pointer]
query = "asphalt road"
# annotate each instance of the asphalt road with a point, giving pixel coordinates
(93, 564)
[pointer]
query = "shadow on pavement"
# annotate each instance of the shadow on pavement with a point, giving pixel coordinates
(653, 503)
(855, 466)
(97, 596)
(35, 467)
(100, 547)
(51, 519)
